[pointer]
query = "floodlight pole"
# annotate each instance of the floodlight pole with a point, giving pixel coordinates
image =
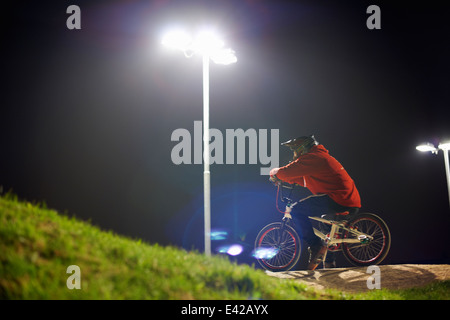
(206, 171)
(447, 171)
(445, 149)
(220, 56)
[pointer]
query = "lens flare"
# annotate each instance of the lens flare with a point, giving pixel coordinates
(232, 250)
(218, 235)
(264, 253)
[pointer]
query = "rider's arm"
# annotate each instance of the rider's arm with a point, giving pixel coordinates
(295, 171)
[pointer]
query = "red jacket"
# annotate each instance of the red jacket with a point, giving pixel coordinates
(321, 173)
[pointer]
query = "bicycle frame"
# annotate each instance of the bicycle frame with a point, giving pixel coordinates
(336, 226)
(364, 239)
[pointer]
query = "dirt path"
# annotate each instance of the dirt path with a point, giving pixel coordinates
(355, 279)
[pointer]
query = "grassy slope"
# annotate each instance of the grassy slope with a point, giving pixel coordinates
(37, 245)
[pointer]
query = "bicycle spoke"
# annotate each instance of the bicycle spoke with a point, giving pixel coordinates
(284, 245)
(366, 252)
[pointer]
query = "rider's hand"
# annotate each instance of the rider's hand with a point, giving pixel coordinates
(274, 171)
(273, 178)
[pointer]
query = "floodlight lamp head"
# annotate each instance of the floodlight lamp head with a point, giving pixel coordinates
(444, 146)
(224, 56)
(427, 147)
(177, 39)
(207, 42)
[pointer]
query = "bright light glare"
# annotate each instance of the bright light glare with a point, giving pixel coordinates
(426, 147)
(207, 42)
(444, 146)
(177, 39)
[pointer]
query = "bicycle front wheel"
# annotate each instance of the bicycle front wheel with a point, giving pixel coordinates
(277, 247)
(370, 252)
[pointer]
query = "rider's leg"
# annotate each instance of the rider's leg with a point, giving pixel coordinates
(314, 206)
(318, 206)
(349, 214)
(341, 212)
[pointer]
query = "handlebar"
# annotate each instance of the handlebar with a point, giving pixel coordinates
(284, 199)
(283, 185)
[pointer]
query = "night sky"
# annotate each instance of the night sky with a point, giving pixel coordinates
(87, 115)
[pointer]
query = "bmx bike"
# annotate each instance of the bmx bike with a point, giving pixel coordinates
(364, 239)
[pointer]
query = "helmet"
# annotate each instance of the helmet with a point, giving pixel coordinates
(301, 145)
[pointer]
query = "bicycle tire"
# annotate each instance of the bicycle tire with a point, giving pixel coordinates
(282, 242)
(376, 250)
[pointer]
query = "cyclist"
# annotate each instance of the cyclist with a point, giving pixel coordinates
(333, 190)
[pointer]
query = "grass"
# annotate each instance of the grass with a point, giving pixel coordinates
(433, 291)
(38, 244)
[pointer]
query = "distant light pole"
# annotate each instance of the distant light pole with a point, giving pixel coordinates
(445, 147)
(209, 46)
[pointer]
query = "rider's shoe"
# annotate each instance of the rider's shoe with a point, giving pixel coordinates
(329, 265)
(316, 254)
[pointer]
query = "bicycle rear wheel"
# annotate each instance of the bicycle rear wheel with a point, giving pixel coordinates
(375, 250)
(277, 247)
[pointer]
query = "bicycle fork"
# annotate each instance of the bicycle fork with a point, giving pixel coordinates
(287, 219)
